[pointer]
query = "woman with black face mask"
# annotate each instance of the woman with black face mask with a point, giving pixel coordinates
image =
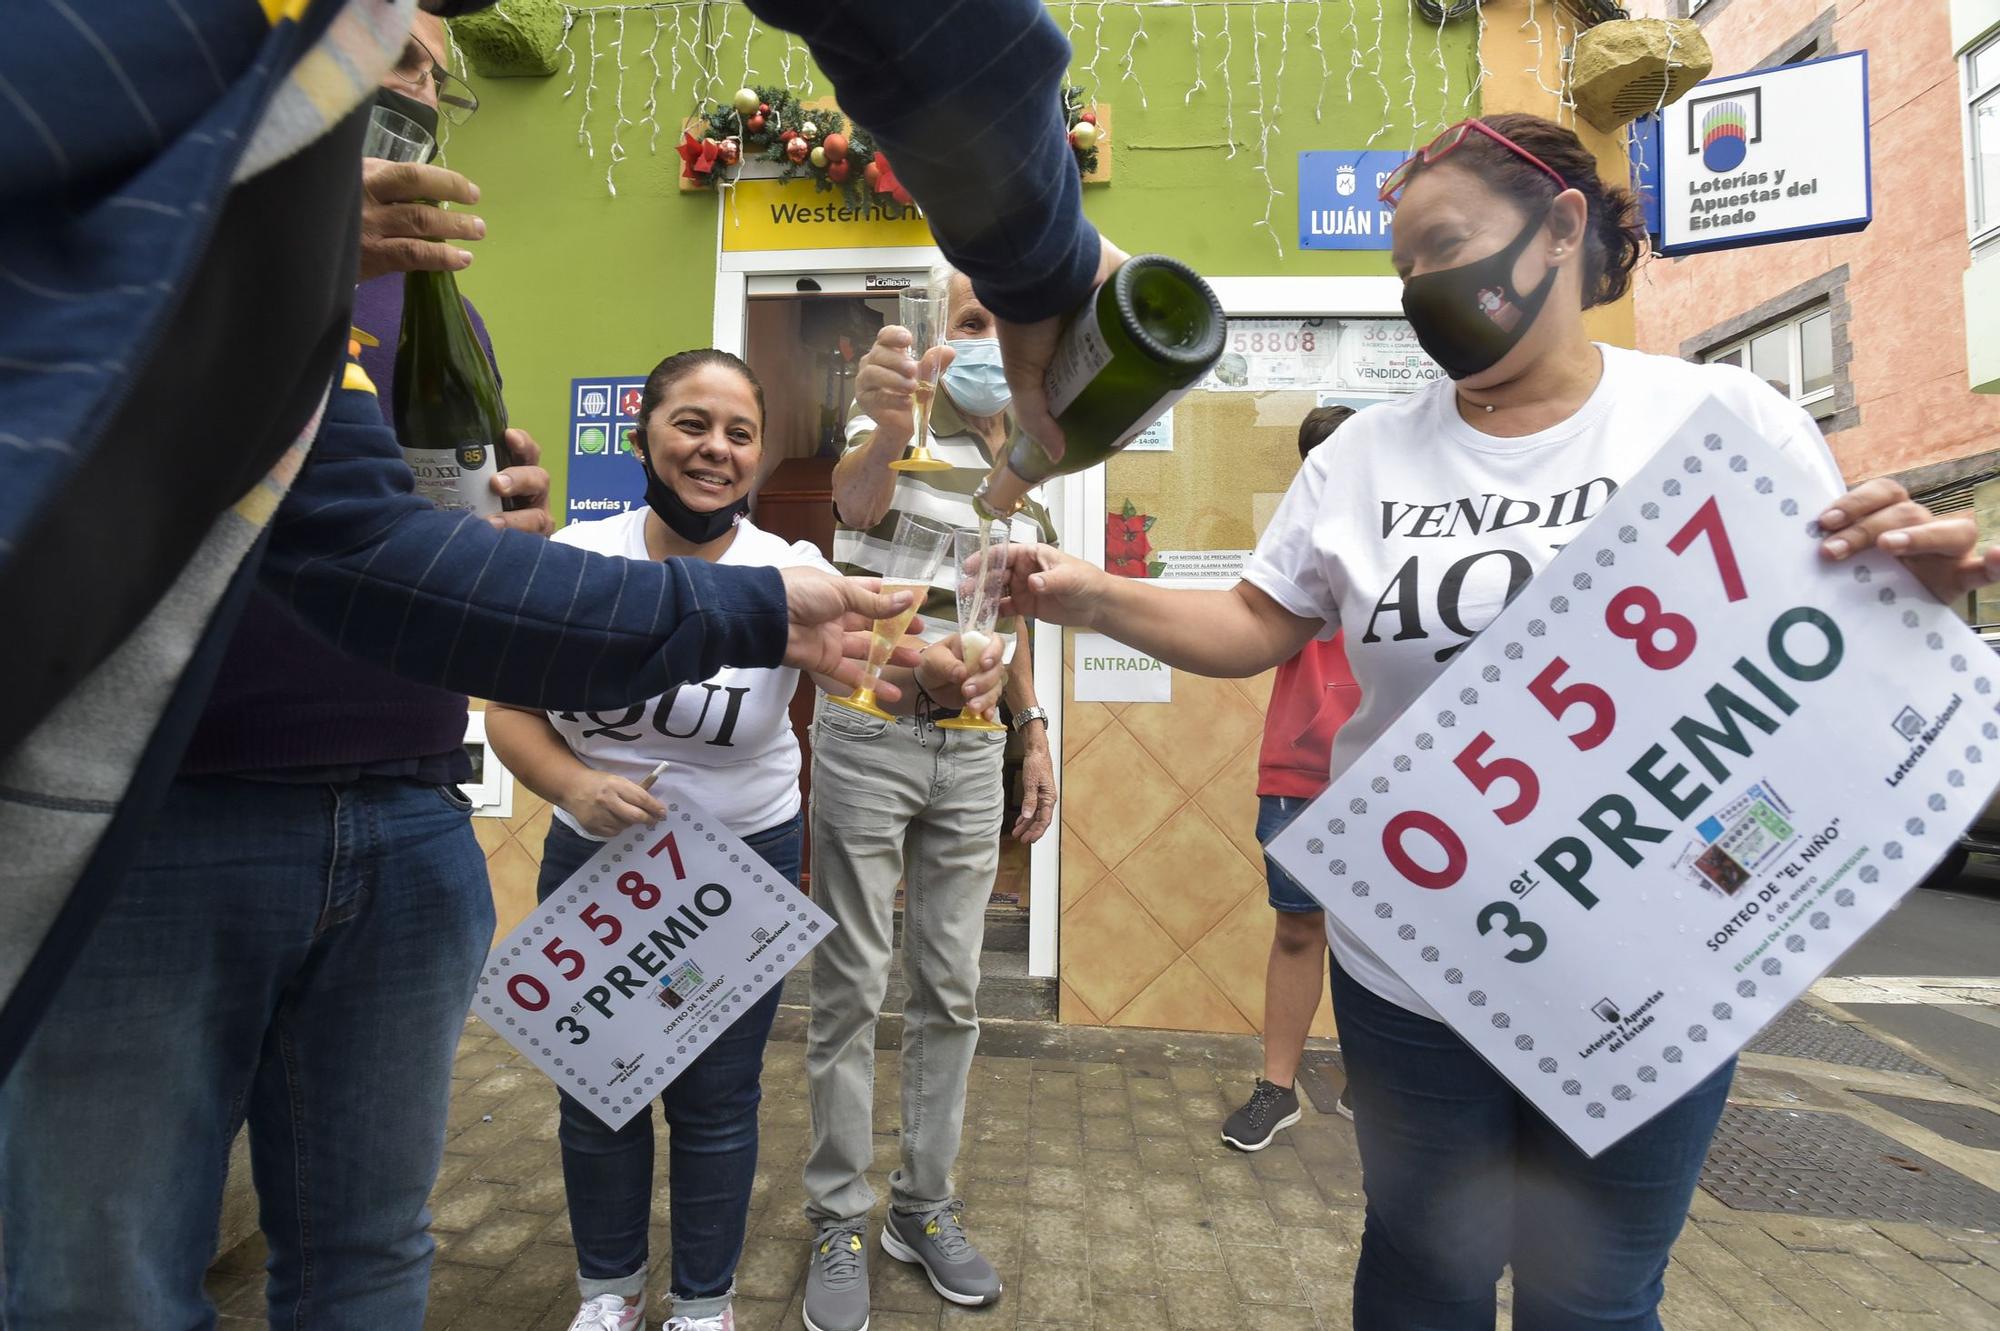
(729, 747)
(1411, 529)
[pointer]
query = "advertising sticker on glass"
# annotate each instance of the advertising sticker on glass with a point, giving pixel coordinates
(1268, 355)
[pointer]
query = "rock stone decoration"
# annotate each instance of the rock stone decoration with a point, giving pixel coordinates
(1628, 67)
(521, 42)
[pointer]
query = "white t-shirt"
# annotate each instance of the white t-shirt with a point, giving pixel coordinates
(729, 737)
(1412, 530)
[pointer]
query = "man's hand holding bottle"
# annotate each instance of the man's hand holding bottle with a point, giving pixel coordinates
(1027, 349)
(404, 229)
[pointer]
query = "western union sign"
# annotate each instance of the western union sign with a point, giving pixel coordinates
(792, 215)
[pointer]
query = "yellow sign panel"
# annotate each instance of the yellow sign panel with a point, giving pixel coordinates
(792, 215)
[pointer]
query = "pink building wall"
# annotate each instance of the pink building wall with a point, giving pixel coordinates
(1905, 284)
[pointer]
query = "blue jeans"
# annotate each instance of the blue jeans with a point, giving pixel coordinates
(711, 1112)
(1274, 815)
(1464, 1177)
(302, 956)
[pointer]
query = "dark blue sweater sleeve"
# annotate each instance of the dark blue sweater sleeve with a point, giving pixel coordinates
(966, 98)
(445, 599)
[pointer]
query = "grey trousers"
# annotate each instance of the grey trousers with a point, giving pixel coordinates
(895, 802)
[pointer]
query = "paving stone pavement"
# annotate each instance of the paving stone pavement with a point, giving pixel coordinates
(1095, 1180)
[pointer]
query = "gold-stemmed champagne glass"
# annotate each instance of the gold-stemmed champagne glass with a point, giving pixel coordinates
(982, 580)
(922, 311)
(914, 555)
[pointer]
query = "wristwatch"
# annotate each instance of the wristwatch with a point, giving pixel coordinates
(1028, 714)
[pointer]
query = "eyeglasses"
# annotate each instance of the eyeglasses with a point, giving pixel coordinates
(419, 69)
(1445, 144)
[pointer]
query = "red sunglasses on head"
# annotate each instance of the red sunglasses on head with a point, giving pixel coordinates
(1445, 144)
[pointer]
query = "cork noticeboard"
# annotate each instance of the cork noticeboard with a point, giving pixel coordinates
(1234, 455)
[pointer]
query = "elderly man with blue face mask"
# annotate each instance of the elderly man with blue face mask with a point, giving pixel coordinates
(902, 801)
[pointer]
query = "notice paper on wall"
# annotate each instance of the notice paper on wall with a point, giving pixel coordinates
(1607, 845)
(1109, 671)
(644, 958)
(1208, 564)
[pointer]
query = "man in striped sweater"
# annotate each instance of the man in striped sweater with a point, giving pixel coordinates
(904, 802)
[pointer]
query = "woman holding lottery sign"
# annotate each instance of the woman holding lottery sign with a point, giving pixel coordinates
(1410, 531)
(727, 744)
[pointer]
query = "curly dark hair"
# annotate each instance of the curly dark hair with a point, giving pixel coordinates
(1615, 231)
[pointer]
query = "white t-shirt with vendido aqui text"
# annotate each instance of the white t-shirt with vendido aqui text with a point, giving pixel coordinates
(1411, 530)
(729, 737)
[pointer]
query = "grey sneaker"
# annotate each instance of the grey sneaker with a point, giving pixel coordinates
(1270, 1110)
(936, 1241)
(837, 1279)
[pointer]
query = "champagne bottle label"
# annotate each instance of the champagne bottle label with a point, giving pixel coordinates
(1080, 353)
(457, 479)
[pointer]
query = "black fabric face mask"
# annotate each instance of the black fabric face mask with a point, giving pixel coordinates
(402, 104)
(1468, 318)
(691, 525)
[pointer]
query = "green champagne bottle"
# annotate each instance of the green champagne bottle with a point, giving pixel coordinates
(1124, 358)
(449, 416)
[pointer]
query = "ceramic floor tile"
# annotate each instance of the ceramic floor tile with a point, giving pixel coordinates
(1188, 875)
(1196, 734)
(1183, 999)
(1113, 948)
(1230, 800)
(1115, 795)
(1081, 869)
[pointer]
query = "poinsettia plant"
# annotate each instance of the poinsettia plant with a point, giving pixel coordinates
(1127, 550)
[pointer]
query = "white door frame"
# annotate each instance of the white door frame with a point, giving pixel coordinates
(1064, 497)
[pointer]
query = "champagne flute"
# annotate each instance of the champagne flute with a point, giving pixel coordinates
(982, 581)
(394, 137)
(913, 560)
(922, 311)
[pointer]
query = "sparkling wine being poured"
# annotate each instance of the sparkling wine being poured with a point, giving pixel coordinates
(981, 555)
(1124, 358)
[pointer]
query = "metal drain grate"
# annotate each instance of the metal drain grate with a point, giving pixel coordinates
(1831, 1166)
(1968, 1125)
(1805, 1032)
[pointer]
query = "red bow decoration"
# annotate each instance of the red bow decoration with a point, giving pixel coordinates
(697, 156)
(886, 182)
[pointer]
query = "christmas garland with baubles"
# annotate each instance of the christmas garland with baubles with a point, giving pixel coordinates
(769, 124)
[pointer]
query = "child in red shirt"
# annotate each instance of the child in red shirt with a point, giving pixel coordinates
(1313, 696)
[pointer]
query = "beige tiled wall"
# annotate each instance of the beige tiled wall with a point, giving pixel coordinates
(1164, 916)
(514, 856)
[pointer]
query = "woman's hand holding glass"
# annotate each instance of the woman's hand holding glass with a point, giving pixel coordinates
(1943, 553)
(980, 555)
(943, 674)
(1044, 583)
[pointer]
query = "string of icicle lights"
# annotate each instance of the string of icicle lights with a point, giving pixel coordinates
(692, 53)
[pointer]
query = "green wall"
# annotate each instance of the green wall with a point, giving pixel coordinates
(574, 281)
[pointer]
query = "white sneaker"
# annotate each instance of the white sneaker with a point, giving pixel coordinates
(608, 1312)
(722, 1321)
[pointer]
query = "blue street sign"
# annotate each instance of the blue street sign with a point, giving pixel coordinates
(1338, 204)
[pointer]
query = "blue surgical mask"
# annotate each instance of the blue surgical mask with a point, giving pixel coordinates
(975, 378)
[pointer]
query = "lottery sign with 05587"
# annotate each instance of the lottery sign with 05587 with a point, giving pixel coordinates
(644, 958)
(1683, 771)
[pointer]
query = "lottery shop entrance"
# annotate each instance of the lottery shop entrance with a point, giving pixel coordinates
(802, 318)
